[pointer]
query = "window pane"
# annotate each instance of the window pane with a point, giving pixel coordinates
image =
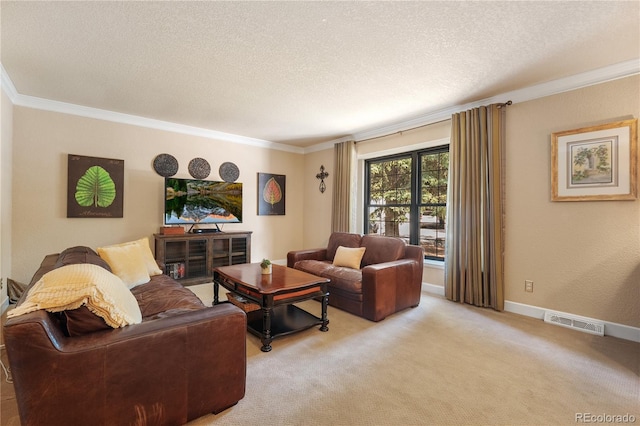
(432, 231)
(434, 179)
(390, 182)
(444, 174)
(430, 162)
(442, 195)
(376, 197)
(390, 221)
(429, 193)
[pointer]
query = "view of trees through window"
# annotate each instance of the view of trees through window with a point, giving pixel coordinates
(406, 197)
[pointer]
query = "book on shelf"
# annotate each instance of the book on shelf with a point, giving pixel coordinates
(175, 270)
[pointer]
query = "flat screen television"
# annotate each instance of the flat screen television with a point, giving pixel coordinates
(195, 202)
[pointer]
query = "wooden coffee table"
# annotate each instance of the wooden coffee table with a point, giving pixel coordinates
(275, 294)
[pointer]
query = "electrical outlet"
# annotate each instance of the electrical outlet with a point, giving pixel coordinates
(528, 286)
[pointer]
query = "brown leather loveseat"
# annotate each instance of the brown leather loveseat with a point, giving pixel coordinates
(389, 277)
(184, 360)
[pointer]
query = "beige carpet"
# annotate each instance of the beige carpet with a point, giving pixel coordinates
(438, 364)
(441, 363)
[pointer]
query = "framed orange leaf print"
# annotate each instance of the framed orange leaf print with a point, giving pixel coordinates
(271, 194)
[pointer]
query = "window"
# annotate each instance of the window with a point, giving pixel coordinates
(406, 197)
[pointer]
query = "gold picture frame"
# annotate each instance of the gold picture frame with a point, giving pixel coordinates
(595, 163)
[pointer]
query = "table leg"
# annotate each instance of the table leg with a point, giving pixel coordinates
(216, 300)
(325, 320)
(266, 330)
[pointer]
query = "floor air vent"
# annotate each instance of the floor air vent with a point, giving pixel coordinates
(577, 323)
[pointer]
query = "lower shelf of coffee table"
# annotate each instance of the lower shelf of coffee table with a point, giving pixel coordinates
(285, 319)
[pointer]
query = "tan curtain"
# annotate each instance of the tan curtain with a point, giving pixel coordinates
(343, 190)
(474, 271)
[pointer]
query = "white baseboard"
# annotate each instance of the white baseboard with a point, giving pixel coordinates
(433, 289)
(612, 329)
(526, 310)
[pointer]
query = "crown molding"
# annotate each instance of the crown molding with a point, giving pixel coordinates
(117, 117)
(7, 85)
(327, 145)
(589, 78)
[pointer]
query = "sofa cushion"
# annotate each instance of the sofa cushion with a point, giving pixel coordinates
(80, 321)
(314, 267)
(72, 286)
(145, 251)
(80, 254)
(161, 294)
(346, 279)
(349, 257)
(127, 262)
(382, 249)
(149, 260)
(344, 239)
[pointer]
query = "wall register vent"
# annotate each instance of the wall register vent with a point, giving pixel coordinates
(587, 325)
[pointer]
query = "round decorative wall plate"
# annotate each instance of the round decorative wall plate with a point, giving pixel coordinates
(229, 172)
(199, 168)
(165, 165)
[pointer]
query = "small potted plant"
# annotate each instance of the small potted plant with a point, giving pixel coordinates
(266, 266)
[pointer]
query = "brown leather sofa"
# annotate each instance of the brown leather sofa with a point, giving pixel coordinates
(389, 278)
(183, 361)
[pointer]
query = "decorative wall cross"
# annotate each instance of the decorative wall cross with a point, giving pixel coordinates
(322, 175)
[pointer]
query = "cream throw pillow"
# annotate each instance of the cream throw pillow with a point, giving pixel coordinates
(127, 262)
(349, 257)
(147, 256)
(71, 286)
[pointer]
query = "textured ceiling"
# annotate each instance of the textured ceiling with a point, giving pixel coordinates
(302, 73)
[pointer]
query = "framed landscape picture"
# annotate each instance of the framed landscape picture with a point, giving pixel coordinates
(271, 194)
(595, 163)
(95, 187)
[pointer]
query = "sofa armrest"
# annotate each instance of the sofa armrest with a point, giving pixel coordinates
(138, 372)
(310, 254)
(415, 253)
(42, 326)
(389, 287)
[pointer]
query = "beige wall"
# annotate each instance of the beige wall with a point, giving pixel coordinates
(317, 205)
(584, 258)
(42, 140)
(6, 126)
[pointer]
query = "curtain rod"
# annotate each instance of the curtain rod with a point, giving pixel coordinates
(399, 132)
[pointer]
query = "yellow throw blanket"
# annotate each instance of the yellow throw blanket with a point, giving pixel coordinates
(72, 286)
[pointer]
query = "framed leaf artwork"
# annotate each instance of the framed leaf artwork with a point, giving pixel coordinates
(95, 187)
(271, 194)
